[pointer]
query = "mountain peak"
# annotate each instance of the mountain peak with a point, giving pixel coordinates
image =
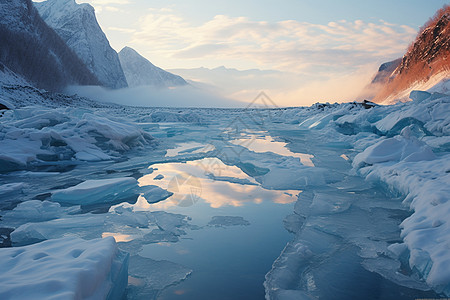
(31, 49)
(77, 25)
(140, 71)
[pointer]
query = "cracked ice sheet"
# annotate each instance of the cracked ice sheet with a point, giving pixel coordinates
(344, 213)
(120, 221)
(51, 135)
(271, 170)
(149, 277)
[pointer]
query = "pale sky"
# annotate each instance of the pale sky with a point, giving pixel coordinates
(325, 49)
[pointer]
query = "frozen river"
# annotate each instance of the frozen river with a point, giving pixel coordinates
(220, 204)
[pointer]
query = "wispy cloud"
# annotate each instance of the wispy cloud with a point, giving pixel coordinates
(286, 45)
(316, 62)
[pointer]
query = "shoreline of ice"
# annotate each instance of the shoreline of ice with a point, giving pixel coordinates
(404, 147)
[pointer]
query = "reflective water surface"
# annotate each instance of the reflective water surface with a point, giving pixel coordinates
(227, 260)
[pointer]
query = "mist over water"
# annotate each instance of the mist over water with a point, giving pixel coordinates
(150, 96)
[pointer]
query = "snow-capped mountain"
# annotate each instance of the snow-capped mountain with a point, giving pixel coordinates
(32, 50)
(139, 71)
(77, 25)
(425, 64)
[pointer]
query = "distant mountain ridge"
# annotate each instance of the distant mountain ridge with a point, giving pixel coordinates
(77, 25)
(30, 48)
(425, 64)
(139, 71)
(385, 71)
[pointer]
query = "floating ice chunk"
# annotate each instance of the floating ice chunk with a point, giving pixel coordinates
(73, 268)
(36, 211)
(158, 177)
(154, 194)
(85, 226)
(120, 219)
(149, 277)
(243, 181)
(189, 148)
(170, 222)
(96, 191)
(273, 171)
(223, 221)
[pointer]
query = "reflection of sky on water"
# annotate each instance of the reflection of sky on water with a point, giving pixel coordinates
(258, 143)
(216, 193)
(236, 257)
(119, 237)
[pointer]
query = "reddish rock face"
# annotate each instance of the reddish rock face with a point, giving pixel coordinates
(427, 56)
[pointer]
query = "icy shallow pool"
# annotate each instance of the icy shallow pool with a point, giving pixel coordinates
(229, 256)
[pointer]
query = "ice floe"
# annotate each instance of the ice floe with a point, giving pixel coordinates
(66, 268)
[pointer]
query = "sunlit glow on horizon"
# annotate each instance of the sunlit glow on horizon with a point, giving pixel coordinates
(297, 52)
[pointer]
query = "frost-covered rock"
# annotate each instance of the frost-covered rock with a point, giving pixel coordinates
(73, 268)
(77, 25)
(139, 71)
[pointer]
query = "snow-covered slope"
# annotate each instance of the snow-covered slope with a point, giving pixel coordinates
(77, 25)
(139, 71)
(29, 48)
(9, 77)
